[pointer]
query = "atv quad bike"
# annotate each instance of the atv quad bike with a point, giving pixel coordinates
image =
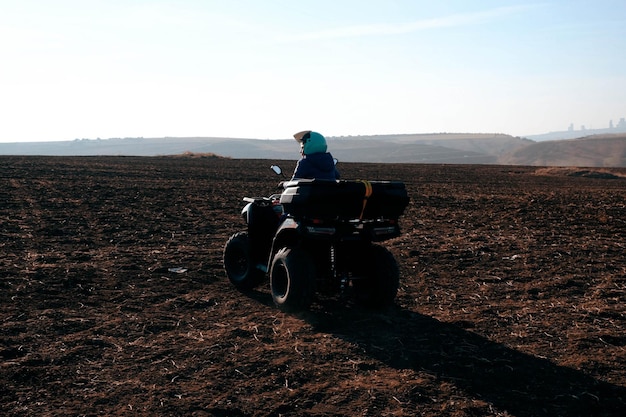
(318, 236)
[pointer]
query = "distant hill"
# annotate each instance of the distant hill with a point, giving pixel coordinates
(454, 148)
(620, 128)
(592, 151)
(441, 148)
(428, 148)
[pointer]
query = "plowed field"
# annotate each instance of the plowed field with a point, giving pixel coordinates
(113, 299)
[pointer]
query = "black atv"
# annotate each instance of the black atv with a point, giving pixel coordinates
(318, 236)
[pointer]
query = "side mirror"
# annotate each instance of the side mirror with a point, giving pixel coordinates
(276, 169)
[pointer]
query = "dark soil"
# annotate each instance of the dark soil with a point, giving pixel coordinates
(512, 298)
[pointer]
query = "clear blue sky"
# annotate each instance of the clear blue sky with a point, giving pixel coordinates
(268, 68)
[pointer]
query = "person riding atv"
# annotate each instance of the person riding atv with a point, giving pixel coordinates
(315, 161)
(319, 235)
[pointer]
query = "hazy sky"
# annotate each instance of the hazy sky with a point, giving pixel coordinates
(268, 68)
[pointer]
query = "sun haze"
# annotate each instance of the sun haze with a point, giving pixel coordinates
(265, 69)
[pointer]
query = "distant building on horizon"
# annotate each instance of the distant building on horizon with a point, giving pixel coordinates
(620, 125)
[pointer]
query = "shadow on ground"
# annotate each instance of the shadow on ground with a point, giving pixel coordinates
(522, 384)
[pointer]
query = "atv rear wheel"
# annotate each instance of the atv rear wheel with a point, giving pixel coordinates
(378, 288)
(292, 279)
(240, 268)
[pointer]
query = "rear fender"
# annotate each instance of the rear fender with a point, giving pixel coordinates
(287, 235)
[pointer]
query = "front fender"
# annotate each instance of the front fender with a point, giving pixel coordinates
(245, 213)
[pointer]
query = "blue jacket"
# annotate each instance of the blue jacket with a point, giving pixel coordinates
(320, 165)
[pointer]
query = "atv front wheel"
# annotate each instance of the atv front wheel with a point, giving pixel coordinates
(240, 268)
(292, 279)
